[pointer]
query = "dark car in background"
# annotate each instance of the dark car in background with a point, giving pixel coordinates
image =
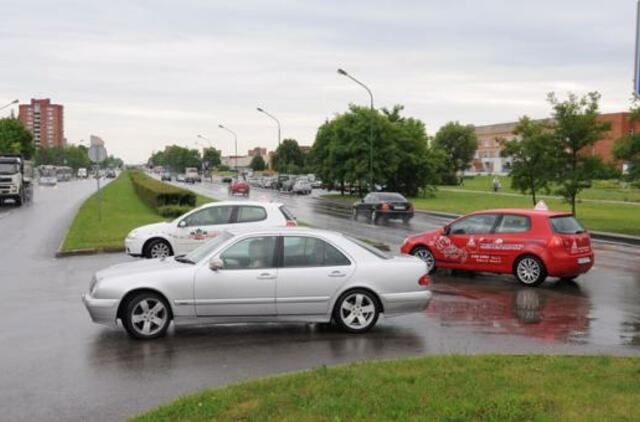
(166, 176)
(383, 205)
(110, 174)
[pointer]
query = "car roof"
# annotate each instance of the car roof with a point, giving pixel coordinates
(249, 203)
(523, 211)
(237, 231)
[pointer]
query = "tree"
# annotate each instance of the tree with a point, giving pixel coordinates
(575, 127)
(288, 157)
(68, 155)
(15, 138)
(459, 143)
(532, 156)
(176, 158)
(211, 158)
(257, 163)
(627, 148)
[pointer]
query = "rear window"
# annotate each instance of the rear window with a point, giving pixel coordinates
(391, 197)
(566, 224)
(377, 252)
(288, 215)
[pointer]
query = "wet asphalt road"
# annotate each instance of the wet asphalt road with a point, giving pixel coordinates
(56, 365)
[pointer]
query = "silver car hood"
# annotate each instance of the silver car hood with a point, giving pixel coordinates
(142, 266)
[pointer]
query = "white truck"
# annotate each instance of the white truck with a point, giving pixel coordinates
(191, 175)
(16, 179)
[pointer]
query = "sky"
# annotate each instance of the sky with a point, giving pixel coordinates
(143, 74)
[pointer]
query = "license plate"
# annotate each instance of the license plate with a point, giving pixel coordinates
(399, 207)
(584, 260)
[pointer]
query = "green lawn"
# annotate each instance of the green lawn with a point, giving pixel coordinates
(497, 388)
(615, 218)
(122, 211)
(601, 190)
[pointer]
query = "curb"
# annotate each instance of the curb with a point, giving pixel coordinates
(88, 251)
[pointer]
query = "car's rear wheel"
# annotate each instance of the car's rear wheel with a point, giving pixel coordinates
(529, 270)
(356, 311)
(158, 248)
(147, 316)
(425, 254)
(374, 217)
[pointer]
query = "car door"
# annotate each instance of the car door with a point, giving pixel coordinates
(462, 245)
(311, 270)
(246, 283)
(508, 240)
(200, 226)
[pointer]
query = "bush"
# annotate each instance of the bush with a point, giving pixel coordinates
(173, 211)
(157, 194)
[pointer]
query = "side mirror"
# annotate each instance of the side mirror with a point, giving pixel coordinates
(215, 264)
(182, 223)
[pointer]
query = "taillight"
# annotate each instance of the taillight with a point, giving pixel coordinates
(385, 207)
(410, 206)
(424, 280)
(555, 241)
(291, 223)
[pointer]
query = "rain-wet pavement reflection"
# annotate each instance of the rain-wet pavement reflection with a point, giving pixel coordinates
(57, 365)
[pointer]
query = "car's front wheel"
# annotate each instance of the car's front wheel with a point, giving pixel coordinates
(158, 248)
(147, 316)
(425, 254)
(356, 311)
(529, 270)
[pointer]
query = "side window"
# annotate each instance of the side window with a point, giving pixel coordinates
(252, 253)
(475, 224)
(367, 199)
(249, 214)
(514, 224)
(210, 216)
(301, 251)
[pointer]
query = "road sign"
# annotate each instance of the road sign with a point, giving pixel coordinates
(97, 153)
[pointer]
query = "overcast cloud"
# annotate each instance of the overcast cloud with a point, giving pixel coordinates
(145, 74)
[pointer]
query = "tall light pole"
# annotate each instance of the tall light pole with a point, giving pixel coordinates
(274, 118)
(236, 143)
(11, 103)
(344, 73)
(207, 140)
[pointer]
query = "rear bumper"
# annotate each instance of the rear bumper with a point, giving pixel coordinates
(101, 311)
(396, 214)
(405, 303)
(565, 265)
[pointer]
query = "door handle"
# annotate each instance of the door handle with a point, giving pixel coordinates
(266, 276)
(336, 274)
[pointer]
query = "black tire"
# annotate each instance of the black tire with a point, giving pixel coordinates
(20, 199)
(368, 311)
(374, 217)
(354, 213)
(530, 270)
(153, 247)
(136, 320)
(425, 254)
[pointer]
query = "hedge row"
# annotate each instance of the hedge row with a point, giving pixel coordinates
(167, 200)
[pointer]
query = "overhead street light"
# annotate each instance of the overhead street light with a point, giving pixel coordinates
(344, 73)
(235, 136)
(207, 140)
(274, 118)
(11, 103)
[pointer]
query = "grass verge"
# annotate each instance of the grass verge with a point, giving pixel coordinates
(122, 211)
(505, 388)
(606, 217)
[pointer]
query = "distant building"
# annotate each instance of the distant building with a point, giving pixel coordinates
(257, 151)
(490, 143)
(45, 121)
(243, 161)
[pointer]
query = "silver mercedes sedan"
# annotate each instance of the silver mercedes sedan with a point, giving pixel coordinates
(282, 274)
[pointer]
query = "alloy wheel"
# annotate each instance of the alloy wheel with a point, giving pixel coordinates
(529, 270)
(149, 316)
(159, 250)
(425, 255)
(357, 311)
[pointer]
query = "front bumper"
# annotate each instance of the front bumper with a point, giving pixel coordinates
(405, 303)
(101, 311)
(133, 247)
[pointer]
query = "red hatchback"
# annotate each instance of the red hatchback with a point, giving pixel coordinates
(530, 244)
(238, 186)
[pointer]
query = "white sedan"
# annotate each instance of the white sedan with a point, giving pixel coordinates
(202, 224)
(288, 274)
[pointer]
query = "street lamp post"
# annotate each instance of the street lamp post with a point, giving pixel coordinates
(274, 118)
(235, 137)
(344, 73)
(11, 103)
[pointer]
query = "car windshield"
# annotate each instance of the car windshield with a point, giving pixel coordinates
(391, 197)
(369, 248)
(204, 250)
(566, 224)
(8, 168)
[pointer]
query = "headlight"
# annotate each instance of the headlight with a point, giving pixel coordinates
(132, 234)
(92, 284)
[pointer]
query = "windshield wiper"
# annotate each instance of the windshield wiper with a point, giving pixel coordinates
(183, 259)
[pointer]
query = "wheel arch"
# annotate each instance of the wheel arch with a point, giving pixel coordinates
(130, 294)
(375, 294)
(157, 237)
